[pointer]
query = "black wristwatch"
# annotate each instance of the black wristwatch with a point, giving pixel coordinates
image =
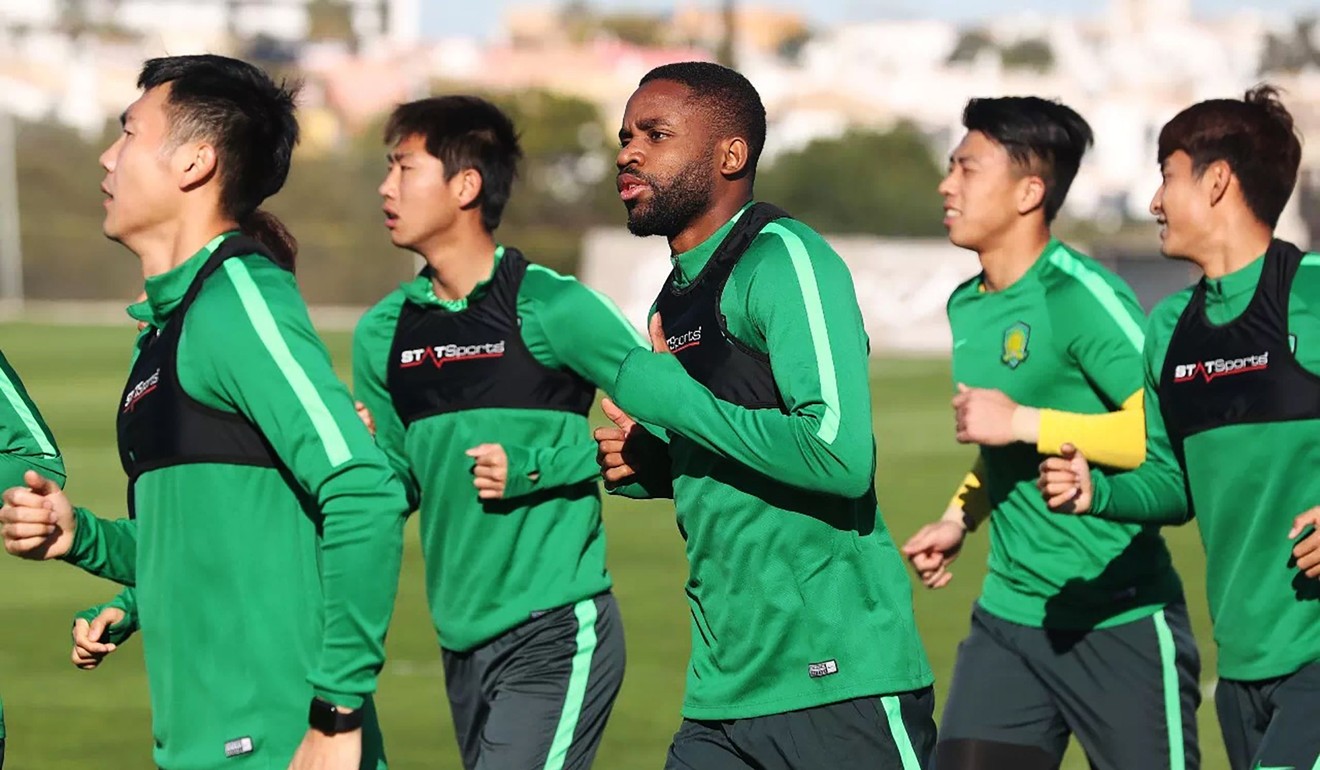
(325, 717)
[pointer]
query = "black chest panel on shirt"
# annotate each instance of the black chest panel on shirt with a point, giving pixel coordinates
(697, 331)
(160, 425)
(442, 362)
(1242, 372)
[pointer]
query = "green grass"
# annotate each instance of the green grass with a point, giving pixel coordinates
(59, 717)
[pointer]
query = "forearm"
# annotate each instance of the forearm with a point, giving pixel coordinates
(13, 466)
(1114, 439)
(971, 503)
(105, 548)
(537, 469)
(1150, 494)
(361, 552)
(791, 448)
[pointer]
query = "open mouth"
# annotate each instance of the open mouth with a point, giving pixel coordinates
(391, 219)
(631, 186)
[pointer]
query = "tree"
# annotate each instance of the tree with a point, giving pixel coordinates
(1291, 53)
(330, 20)
(881, 183)
(971, 43)
(1028, 54)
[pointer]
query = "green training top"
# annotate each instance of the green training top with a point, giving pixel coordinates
(491, 565)
(798, 596)
(26, 444)
(1247, 483)
(255, 588)
(1067, 336)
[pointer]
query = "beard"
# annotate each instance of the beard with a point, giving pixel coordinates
(673, 204)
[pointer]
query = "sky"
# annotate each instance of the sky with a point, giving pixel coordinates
(480, 18)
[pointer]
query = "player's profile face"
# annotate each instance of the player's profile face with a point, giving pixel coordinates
(979, 192)
(418, 202)
(667, 165)
(1179, 205)
(140, 187)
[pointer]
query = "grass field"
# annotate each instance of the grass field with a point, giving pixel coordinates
(60, 718)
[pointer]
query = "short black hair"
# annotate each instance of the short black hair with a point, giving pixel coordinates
(729, 99)
(1255, 135)
(1042, 137)
(465, 132)
(238, 108)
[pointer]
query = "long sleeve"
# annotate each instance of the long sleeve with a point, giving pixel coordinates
(567, 326)
(371, 350)
(1115, 439)
(117, 633)
(26, 442)
(106, 548)
(1101, 325)
(267, 363)
(801, 301)
(971, 498)
(1156, 491)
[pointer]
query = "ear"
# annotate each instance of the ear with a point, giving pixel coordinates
(1031, 194)
(467, 185)
(734, 155)
(194, 164)
(1218, 177)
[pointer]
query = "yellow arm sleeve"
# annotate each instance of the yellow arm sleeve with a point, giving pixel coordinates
(1116, 439)
(971, 502)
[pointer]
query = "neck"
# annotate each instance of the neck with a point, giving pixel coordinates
(459, 261)
(1008, 260)
(173, 244)
(1236, 247)
(705, 224)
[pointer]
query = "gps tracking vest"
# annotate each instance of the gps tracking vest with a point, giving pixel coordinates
(442, 361)
(1243, 371)
(159, 425)
(696, 330)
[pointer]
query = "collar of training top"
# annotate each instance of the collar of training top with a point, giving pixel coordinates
(165, 291)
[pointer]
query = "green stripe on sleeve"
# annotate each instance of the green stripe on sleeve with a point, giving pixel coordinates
(1311, 260)
(894, 713)
(30, 421)
(604, 300)
(820, 339)
(1172, 703)
(585, 611)
(258, 312)
(1103, 293)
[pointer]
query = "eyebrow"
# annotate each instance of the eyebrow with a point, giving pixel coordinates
(397, 157)
(123, 119)
(646, 124)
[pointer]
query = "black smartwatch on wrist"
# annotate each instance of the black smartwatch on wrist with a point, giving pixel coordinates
(325, 717)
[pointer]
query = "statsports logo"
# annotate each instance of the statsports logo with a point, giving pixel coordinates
(1221, 367)
(689, 339)
(140, 390)
(439, 355)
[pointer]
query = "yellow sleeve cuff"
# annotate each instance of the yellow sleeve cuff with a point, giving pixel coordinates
(1116, 439)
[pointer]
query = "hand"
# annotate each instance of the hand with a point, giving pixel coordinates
(364, 414)
(933, 549)
(37, 519)
(491, 471)
(1307, 552)
(990, 418)
(614, 453)
(88, 650)
(1065, 481)
(342, 751)
(657, 330)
